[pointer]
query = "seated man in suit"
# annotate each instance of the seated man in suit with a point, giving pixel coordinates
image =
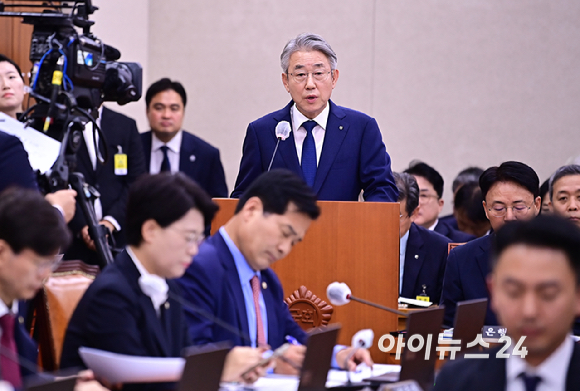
(32, 233)
(431, 201)
(169, 148)
(535, 292)
(231, 278)
(423, 253)
(510, 192)
(111, 179)
(466, 176)
(131, 308)
(338, 151)
(564, 189)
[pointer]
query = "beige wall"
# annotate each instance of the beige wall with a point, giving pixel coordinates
(452, 83)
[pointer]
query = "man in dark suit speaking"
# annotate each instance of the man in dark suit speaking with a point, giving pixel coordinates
(535, 292)
(168, 147)
(338, 151)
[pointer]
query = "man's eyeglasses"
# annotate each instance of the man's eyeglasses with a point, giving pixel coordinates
(501, 210)
(424, 197)
(301, 77)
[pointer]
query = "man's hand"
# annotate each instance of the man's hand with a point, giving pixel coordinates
(291, 360)
(86, 382)
(65, 200)
(87, 238)
(239, 360)
(360, 356)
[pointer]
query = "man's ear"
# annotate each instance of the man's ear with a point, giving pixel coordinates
(415, 213)
(5, 252)
(252, 207)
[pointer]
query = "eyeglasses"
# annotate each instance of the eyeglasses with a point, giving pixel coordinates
(517, 210)
(301, 77)
(424, 197)
(190, 237)
(51, 264)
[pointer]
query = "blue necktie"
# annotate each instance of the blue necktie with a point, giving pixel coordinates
(165, 165)
(531, 382)
(309, 154)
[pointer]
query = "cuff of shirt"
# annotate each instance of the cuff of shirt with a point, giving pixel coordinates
(59, 208)
(333, 363)
(113, 221)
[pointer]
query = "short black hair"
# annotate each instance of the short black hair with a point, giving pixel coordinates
(467, 175)
(571, 169)
(28, 221)
(516, 172)
(165, 198)
(3, 58)
(545, 231)
(164, 85)
(469, 200)
(277, 189)
(430, 174)
(408, 190)
(544, 192)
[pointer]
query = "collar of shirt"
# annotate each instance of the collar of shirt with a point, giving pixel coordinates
(152, 285)
(174, 144)
(431, 228)
(5, 310)
(244, 270)
(318, 132)
(402, 251)
(553, 370)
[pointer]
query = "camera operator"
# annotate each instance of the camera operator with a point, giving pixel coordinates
(14, 167)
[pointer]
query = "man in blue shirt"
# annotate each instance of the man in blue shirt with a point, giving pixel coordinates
(231, 278)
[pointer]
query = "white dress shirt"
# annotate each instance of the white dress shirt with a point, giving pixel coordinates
(151, 285)
(318, 132)
(553, 370)
(174, 148)
(402, 252)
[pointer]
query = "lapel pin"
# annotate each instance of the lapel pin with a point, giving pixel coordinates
(341, 127)
(166, 305)
(20, 320)
(264, 285)
(416, 256)
(192, 158)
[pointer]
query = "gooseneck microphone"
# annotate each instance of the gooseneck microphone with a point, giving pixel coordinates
(339, 294)
(282, 132)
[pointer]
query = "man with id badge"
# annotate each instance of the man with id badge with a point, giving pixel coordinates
(111, 180)
(423, 253)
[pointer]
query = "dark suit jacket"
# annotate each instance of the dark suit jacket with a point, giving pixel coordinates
(353, 156)
(116, 316)
(199, 160)
(454, 235)
(14, 165)
(425, 259)
(490, 374)
(465, 277)
(25, 346)
(119, 130)
(449, 220)
(212, 283)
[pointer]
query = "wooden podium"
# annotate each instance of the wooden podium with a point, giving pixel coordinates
(352, 242)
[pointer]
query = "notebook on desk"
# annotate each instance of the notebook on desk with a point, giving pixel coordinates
(414, 366)
(316, 364)
(203, 367)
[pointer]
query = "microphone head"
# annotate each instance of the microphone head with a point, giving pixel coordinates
(283, 130)
(363, 339)
(338, 293)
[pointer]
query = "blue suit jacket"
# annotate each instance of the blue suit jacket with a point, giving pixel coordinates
(116, 316)
(465, 278)
(490, 374)
(353, 157)
(14, 165)
(425, 260)
(213, 284)
(199, 160)
(454, 235)
(25, 346)
(120, 131)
